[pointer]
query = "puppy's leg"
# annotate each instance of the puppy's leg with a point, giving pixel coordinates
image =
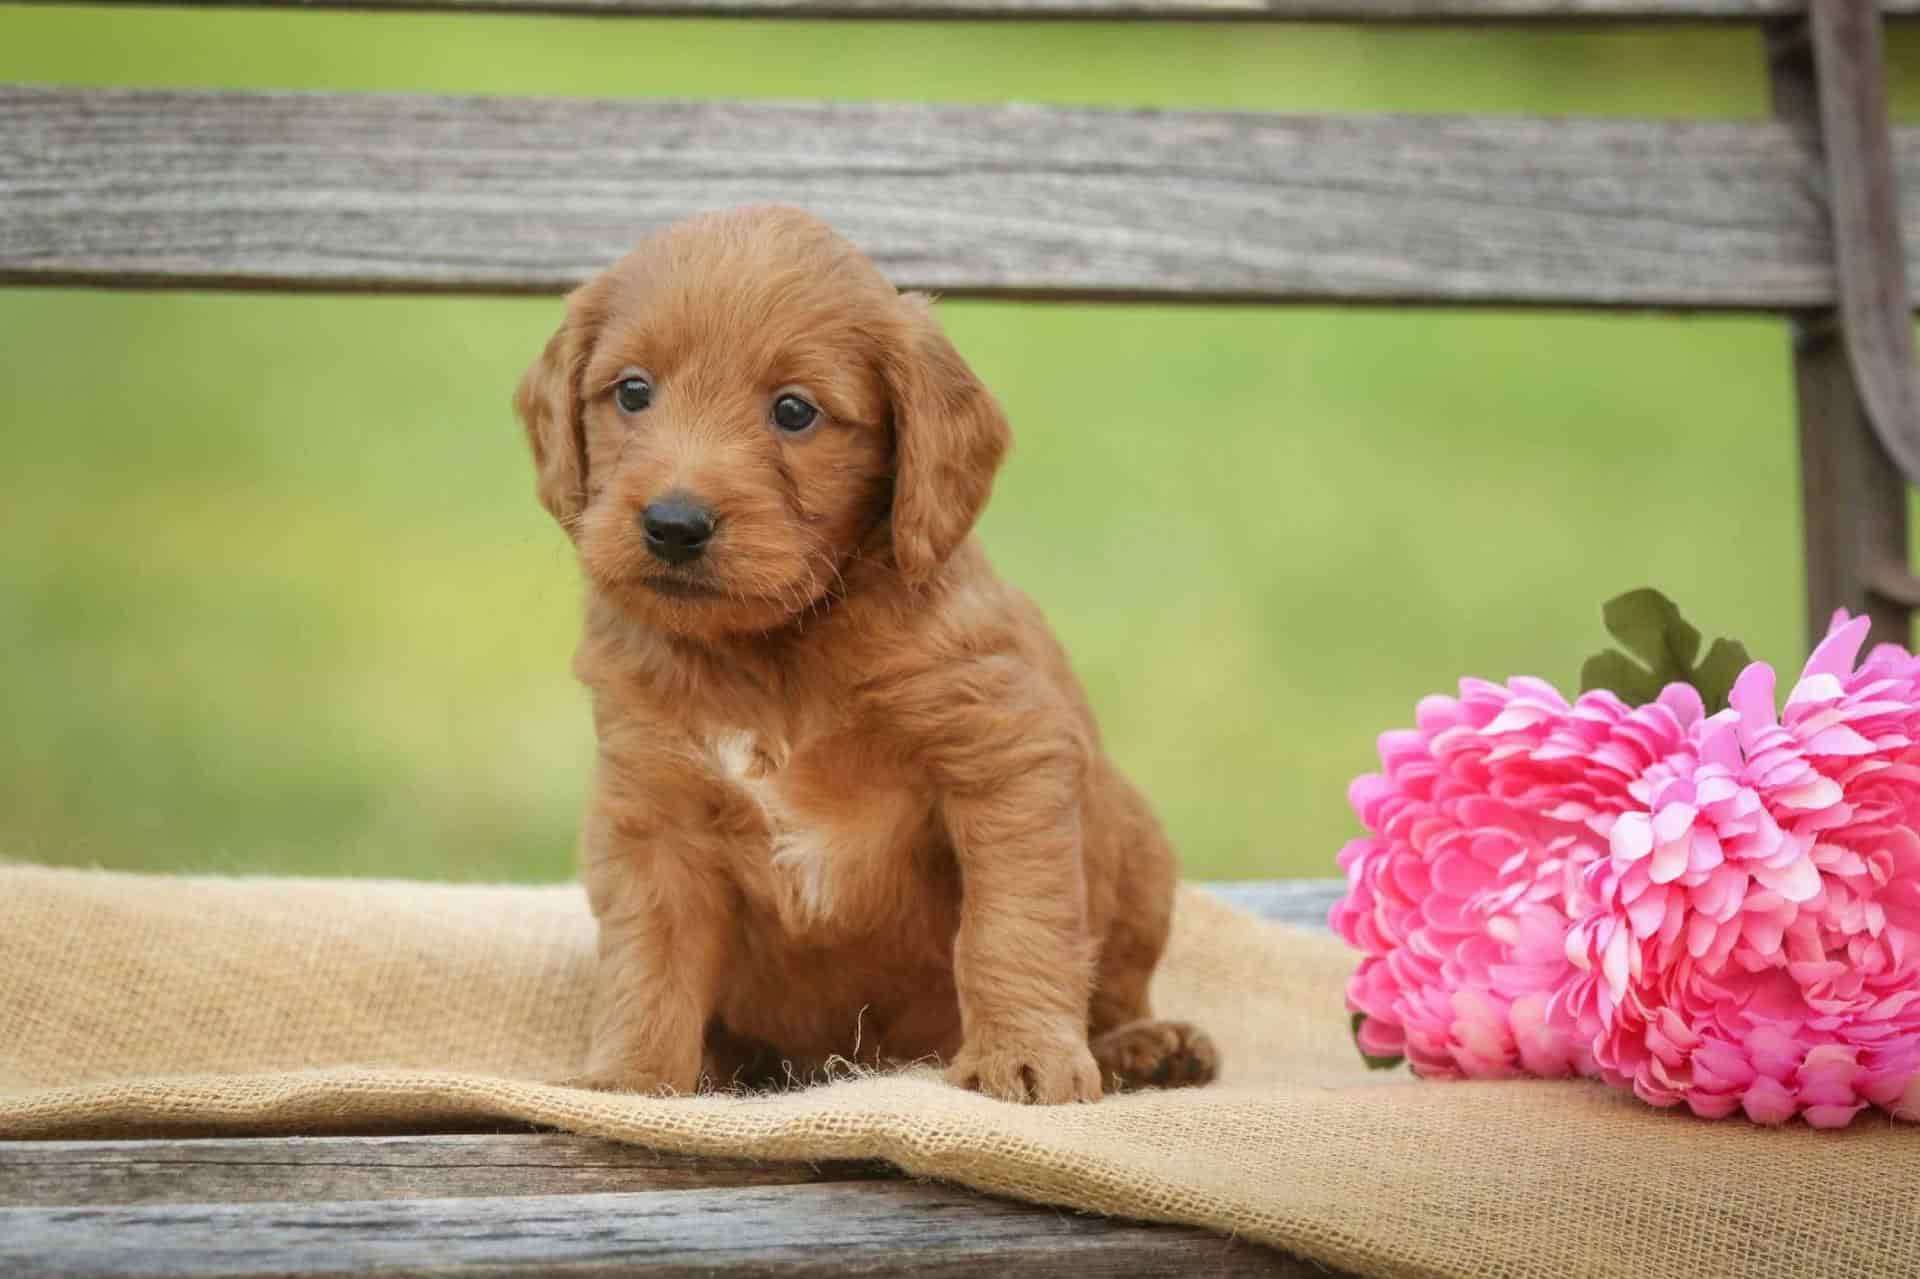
(1022, 958)
(1010, 794)
(663, 922)
(736, 1062)
(1133, 1049)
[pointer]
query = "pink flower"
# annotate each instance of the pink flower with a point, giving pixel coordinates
(1482, 823)
(1751, 939)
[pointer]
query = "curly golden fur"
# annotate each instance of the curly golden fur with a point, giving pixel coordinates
(849, 800)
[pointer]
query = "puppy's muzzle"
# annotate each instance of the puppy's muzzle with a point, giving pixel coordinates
(678, 528)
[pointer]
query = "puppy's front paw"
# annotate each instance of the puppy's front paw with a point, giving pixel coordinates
(1048, 1070)
(1156, 1054)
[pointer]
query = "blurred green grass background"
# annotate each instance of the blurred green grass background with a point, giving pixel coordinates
(275, 595)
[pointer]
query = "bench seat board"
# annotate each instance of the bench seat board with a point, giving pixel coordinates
(822, 1228)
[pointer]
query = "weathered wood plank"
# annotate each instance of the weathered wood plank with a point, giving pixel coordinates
(1302, 903)
(871, 1228)
(314, 191)
(325, 1169)
(1852, 492)
(1864, 195)
(1187, 10)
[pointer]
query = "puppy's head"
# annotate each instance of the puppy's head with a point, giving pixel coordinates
(736, 410)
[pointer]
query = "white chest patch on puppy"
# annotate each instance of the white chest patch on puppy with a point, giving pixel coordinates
(800, 853)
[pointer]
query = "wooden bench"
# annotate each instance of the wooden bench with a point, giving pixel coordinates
(1799, 217)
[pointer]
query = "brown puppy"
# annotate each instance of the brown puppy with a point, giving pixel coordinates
(849, 799)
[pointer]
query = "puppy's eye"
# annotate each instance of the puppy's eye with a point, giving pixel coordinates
(632, 394)
(791, 413)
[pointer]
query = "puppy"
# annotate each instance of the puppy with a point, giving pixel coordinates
(849, 800)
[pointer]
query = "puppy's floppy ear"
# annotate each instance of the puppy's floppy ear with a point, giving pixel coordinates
(548, 403)
(949, 436)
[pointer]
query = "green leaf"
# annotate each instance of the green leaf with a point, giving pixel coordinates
(1650, 627)
(1373, 1063)
(1715, 676)
(1621, 675)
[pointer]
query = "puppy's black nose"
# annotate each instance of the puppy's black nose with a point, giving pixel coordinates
(677, 528)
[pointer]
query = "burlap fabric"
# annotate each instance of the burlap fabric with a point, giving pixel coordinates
(145, 1005)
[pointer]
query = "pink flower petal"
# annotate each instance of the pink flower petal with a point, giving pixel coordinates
(1703, 854)
(1682, 701)
(1835, 654)
(1722, 896)
(1632, 837)
(1767, 1101)
(1614, 964)
(1712, 1105)
(1715, 789)
(1669, 861)
(1798, 881)
(1701, 931)
(1514, 718)
(1648, 912)
(1752, 700)
(1816, 688)
(1762, 932)
(1831, 1116)
(1673, 821)
(1719, 741)
(1819, 792)
(1839, 740)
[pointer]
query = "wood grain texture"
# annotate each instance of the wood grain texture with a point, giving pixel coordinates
(827, 1230)
(1854, 498)
(1853, 494)
(1895, 585)
(314, 191)
(1186, 10)
(326, 1169)
(1864, 196)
